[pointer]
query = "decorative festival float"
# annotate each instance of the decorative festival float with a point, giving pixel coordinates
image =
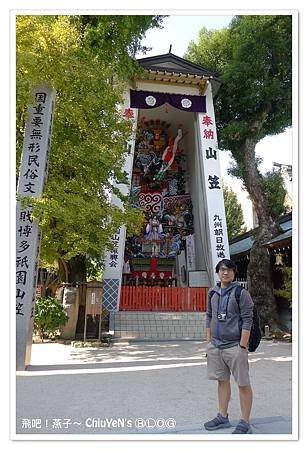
(160, 188)
(173, 167)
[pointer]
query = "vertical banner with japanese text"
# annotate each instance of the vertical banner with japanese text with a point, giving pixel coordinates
(190, 253)
(114, 259)
(32, 177)
(215, 217)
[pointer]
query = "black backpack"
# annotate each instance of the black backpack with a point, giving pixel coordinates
(255, 332)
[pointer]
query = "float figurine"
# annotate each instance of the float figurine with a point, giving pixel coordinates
(169, 155)
(154, 230)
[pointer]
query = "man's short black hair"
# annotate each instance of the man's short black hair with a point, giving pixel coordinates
(228, 263)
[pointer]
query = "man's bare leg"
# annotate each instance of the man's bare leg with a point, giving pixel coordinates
(224, 395)
(245, 401)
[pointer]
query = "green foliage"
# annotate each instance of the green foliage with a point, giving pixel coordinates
(234, 213)
(94, 268)
(275, 193)
(212, 51)
(119, 36)
(253, 58)
(258, 78)
(286, 290)
(49, 317)
(87, 61)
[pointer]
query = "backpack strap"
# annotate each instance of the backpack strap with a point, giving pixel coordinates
(238, 291)
(211, 294)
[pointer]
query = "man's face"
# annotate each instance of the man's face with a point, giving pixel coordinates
(225, 274)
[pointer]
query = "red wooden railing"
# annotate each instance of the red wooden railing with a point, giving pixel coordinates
(144, 298)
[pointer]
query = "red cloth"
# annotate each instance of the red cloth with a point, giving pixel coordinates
(169, 154)
(153, 264)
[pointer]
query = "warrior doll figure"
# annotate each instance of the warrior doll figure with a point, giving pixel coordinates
(169, 155)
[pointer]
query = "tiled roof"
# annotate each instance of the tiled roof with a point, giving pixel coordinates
(243, 243)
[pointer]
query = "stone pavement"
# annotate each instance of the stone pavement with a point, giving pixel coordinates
(145, 387)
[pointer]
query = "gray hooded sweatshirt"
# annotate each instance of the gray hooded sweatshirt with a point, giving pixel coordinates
(228, 333)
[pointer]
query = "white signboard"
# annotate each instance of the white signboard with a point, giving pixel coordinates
(190, 253)
(32, 177)
(216, 220)
(114, 259)
(199, 278)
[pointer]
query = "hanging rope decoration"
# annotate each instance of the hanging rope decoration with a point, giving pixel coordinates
(279, 260)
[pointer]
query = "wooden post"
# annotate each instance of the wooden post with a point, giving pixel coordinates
(93, 307)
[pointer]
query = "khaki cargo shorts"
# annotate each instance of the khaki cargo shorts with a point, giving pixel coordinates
(222, 362)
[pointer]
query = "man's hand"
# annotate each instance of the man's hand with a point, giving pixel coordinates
(208, 334)
(245, 338)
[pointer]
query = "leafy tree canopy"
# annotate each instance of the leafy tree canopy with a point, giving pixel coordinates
(234, 213)
(87, 60)
(253, 59)
(275, 193)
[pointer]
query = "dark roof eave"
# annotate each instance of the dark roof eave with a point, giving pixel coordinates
(281, 243)
(190, 65)
(282, 219)
(240, 255)
(277, 240)
(166, 69)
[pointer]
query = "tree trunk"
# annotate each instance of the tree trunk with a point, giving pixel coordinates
(77, 269)
(259, 273)
(63, 270)
(74, 270)
(260, 285)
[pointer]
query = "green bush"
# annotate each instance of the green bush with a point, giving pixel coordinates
(286, 290)
(49, 317)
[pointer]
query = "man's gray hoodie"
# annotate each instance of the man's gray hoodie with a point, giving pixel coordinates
(228, 334)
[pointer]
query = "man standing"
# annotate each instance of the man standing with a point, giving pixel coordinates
(228, 325)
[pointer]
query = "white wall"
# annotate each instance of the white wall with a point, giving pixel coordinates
(194, 189)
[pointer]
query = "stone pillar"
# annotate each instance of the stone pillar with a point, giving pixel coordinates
(32, 178)
(70, 304)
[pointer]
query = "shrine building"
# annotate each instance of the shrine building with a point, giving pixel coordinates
(173, 166)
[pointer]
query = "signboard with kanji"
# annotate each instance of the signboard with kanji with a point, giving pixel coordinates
(216, 220)
(114, 259)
